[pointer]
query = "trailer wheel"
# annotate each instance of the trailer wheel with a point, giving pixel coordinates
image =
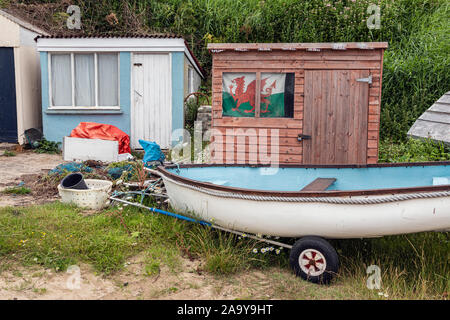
(314, 259)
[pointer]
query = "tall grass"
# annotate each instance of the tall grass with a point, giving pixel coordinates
(415, 265)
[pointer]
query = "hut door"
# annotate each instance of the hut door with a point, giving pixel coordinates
(151, 112)
(8, 111)
(335, 117)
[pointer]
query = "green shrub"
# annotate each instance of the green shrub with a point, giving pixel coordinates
(46, 146)
(413, 151)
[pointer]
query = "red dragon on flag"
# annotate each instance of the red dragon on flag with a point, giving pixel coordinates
(240, 96)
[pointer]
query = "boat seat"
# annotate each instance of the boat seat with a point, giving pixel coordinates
(319, 184)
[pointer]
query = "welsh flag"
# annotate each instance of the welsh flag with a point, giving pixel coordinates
(238, 94)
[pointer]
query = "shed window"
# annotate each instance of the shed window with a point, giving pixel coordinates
(238, 94)
(84, 80)
(276, 95)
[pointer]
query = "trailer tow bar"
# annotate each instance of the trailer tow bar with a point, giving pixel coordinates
(204, 223)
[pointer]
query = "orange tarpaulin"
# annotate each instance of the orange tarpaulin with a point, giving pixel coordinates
(92, 130)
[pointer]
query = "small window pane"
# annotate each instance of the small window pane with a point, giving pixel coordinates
(277, 95)
(61, 80)
(108, 79)
(84, 80)
(238, 94)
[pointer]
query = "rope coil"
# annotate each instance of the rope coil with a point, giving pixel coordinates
(332, 200)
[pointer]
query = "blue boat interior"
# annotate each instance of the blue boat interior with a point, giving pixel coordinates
(295, 179)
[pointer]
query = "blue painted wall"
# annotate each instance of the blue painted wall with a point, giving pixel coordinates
(59, 123)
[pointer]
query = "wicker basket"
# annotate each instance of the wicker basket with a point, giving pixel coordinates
(96, 197)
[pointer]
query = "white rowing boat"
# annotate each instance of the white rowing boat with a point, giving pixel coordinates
(327, 202)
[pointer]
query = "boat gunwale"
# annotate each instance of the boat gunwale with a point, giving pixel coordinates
(327, 193)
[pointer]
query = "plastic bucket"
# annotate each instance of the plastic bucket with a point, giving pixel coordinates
(74, 181)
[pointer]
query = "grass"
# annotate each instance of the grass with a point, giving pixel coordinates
(17, 190)
(57, 235)
(8, 153)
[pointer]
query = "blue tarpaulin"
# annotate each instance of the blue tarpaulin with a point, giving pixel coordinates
(152, 151)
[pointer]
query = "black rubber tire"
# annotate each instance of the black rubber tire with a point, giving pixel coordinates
(325, 248)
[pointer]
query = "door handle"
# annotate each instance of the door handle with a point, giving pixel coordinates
(302, 137)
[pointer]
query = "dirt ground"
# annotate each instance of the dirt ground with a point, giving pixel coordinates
(186, 284)
(24, 167)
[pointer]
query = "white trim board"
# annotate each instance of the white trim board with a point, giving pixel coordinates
(116, 45)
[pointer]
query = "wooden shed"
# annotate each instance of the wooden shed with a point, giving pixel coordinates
(20, 95)
(319, 101)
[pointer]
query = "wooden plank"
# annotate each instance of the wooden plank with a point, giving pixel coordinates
(319, 184)
(258, 131)
(438, 117)
(372, 152)
(253, 69)
(281, 141)
(327, 114)
(433, 130)
(342, 131)
(296, 64)
(258, 95)
(445, 98)
(342, 65)
(372, 144)
(373, 109)
(252, 64)
(373, 126)
(290, 46)
(280, 123)
(265, 149)
(305, 56)
(308, 115)
(440, 107)
(372, 134)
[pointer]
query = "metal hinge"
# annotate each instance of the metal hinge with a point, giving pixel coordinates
(368, 79)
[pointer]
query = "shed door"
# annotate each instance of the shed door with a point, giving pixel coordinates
(151, 113)
(8, 111)
(335, 116)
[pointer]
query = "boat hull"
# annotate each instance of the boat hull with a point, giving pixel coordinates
(288, 218)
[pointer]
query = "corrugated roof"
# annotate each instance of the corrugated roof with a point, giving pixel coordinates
(435, 122)
(109, 36)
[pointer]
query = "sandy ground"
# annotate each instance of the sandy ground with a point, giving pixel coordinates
(12, 169)
(188, 283)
